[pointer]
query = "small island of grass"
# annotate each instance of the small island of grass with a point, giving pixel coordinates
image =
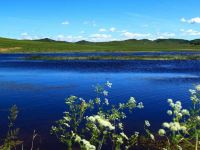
(109, 57)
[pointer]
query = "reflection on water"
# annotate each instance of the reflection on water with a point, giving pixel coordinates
(39, 89)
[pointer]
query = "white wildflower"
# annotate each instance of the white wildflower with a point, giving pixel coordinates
(132, 100)
(91, 118)
(185, 112)
(170, 100)
(147, 123)
(121, 105)
(120, 140)
(77, 138)
(152, 137)
(192, 91)
(105, 93)
(179, 147)
(179, 115)
(67, 118)
(183, 128)
(172, 105)
(166, 125)
(106, 101)
(178, 103)
(197, 87)
(102, 122)
(87, 145)
(124, 135)
(175, 126)
(66, 124)
(169, 112)
(161, 132)
(137, 134)
(98, 100)
(140, 105)
(54, 128)
(194, 98)
(120, 126)
(109, 84)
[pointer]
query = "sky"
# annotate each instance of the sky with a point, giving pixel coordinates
(99, 20)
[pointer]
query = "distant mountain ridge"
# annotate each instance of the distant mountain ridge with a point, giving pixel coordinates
(50, 45)
(180, 41)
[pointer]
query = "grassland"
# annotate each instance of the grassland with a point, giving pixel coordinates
(47, 45)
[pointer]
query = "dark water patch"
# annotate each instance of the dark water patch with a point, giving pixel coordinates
(108, 66)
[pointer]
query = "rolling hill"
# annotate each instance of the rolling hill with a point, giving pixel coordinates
(49, 45)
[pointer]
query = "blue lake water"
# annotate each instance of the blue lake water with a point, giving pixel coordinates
(39, 89)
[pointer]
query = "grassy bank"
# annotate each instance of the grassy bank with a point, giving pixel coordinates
(47, 45)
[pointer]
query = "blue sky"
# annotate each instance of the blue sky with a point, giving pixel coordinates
(99, 20)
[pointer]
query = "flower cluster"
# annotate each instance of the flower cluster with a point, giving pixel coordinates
(101, 121)
(195, 95)
(177, 110)
(109, 84)
(174, 126)
(87, 145)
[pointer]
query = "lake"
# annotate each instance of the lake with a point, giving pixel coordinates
(39, 88)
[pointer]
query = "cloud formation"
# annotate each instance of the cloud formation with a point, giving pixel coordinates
(112, 29)
(102, 30)
(26, 36)
(195, 20)
(100, 37)
(164, 35)
(69, 38)
(190, 32)
(90, 23)
(131, 35)
(65, 23)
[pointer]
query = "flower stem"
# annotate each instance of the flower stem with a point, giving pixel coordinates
(101, 143)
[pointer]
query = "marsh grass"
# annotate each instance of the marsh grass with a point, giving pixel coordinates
(108, 57)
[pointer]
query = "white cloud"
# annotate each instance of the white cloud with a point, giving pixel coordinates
(150, 36)
(131, 35)
(82, 32)
(112, 29)
(26, 36)
(102, 30)
(100, 37)
(70, 38)
(60, 37)
(162, 35)
(65, 23)
(123, 31)
(90, 23)
(165, 35)
(190, 32)
(105, 36)
(192, 20)
(183, 20)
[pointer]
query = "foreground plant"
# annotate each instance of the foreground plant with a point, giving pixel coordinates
(183, 131)
(91, 124)
(11, 141)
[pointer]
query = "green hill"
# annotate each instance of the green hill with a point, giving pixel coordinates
(49, 45)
